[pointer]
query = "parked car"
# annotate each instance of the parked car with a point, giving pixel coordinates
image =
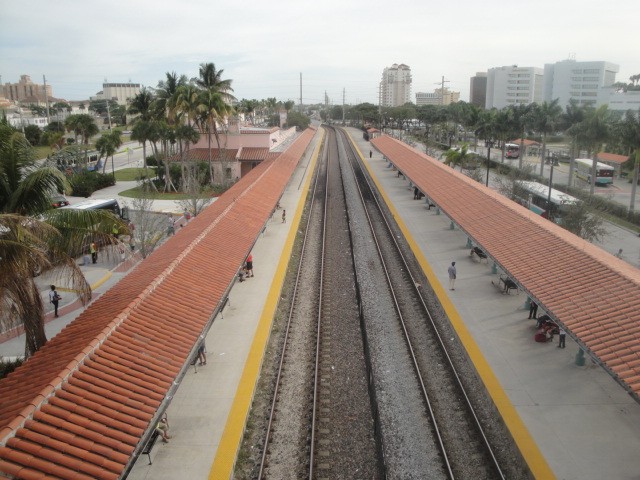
(58, 201)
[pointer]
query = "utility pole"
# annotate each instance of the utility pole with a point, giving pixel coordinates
(343, 91)
(442, 82)
(46, 97)
(300, 92)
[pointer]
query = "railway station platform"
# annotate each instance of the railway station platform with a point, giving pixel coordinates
(571, 422)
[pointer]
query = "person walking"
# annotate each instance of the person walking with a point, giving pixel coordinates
(370, 153)
(561, 337)
(93, 249)
(284, 216)
(202, 354)
(55, 299)
(249, 266)
(533, 310)
(452, 275)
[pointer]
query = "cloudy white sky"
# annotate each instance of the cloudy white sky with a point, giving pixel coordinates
(264, 46)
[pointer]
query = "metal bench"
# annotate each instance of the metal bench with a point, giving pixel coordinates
(152, 441)
(477, 252)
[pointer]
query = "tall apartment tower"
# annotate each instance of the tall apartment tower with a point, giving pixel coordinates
(395, 87)
(24, 89)
(513, 85)
(581, 81)
(478, 90)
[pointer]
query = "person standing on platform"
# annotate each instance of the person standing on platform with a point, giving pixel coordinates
(533, 310)
(452, 275)
(171, 229)
(370, 153)
(93, 248)
(561, 337)
(249, 266)
(284, 216)
(55, 299)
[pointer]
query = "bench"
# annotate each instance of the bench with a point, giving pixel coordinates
(147, 448)
(479, 253)
(505, 285)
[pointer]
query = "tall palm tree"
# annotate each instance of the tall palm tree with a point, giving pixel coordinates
(572, 116)
(108, 145)
(142, 105)
(211, 108)
(597, 130)
(211, 79)
(545, 119)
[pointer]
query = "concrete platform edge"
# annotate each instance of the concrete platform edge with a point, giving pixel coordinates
(528, 447)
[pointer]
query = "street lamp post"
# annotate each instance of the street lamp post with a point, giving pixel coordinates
(488, 144)
(550, 184)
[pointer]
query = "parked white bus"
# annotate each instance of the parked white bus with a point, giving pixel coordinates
(604, 172)
(535, 197)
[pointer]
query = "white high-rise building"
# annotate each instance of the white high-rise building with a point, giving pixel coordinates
(581, 81)
(395, 87)
(513, 85)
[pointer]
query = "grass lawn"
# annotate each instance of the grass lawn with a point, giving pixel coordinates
(42, 152)
(131, 174)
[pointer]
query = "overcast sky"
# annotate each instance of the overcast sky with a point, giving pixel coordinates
(264, 46)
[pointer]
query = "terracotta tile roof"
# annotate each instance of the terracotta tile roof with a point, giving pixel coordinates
(202, 154)
(253, 153)
(558, 269)
(612, 157)
(82, 405)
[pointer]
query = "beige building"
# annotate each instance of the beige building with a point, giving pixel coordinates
(395, 87)
(437, 97)
(24, 89)
(120, 92)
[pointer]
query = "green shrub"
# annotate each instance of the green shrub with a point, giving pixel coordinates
(85, 182)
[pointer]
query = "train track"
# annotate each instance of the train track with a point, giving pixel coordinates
(365, 384)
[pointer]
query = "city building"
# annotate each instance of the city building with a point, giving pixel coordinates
(437, 97)
(395, 87)
(478, 90)
(619, 101)
(513, 85)
(25, 89)
(581, 81)
(120, 92)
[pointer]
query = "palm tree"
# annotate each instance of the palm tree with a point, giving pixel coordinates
(573, 115)
(596, 132)
(25, 188)
(457, 156)
(108, 145)
(545, 119)
(32, 244)
(141, 105)
(211, 108)
(211, 79)
(630, 129)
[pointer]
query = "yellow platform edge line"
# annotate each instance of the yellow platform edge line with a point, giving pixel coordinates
(525, 442)
(224, 461)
